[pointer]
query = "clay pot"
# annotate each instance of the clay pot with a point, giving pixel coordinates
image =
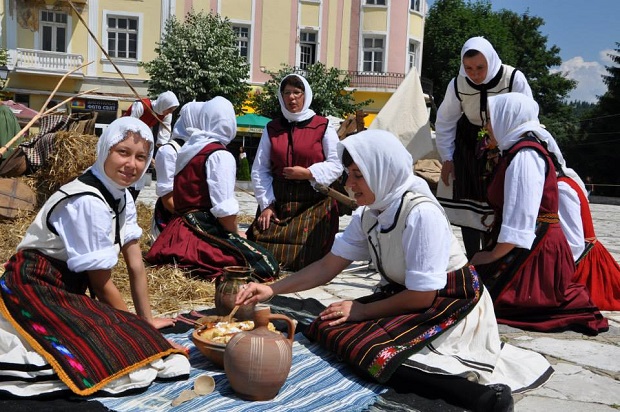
(226, 291)
(257, 362)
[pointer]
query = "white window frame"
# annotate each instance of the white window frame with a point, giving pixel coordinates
(304, 42)
(54, 28)
(240, 39)
(412, 57)
(373, 50)
(415, 5)
(127, 65)
(382, 3)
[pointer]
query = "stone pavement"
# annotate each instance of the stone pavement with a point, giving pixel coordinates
(587, 369)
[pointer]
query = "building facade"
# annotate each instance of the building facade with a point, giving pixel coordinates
(375, 41)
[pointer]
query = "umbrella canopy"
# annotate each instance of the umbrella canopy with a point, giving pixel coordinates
(20, 111)
(252, 123)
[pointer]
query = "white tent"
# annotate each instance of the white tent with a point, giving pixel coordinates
(405, 114)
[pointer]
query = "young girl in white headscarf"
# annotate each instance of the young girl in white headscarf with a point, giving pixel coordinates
(203, 236)
(165, 166)
(163, 106)
(431, 323)
(529, 267)
(53, 336)
(294, 221)
(461, 115)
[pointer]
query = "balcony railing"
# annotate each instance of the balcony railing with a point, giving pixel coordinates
(47, 61)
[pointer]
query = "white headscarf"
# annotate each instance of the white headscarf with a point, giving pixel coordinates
(217, 123)
(483, 46)
(165, 101)
(188, 118)
(305, 112)
(385, 164)
(113, 134)
(515, 114)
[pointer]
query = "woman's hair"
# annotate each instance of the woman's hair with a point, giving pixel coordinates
(471, 53)
(347, 160)
(292, 81)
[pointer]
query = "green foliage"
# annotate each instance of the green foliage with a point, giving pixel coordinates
(516, 38)
(4, 56)
(198, 59)
(329, 96)
(594, 151)
(243, 172)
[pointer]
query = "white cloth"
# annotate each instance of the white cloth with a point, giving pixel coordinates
(305, 113)
(494, 63)
(405, 114)
(163, 102)
(325, 172)
(166, 158)
(570, 219)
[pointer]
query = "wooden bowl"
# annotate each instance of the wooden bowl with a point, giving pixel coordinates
(214, 351)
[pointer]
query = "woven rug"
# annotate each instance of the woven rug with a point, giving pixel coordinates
(316, 382)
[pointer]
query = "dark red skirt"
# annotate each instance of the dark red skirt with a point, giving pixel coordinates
(87, 343)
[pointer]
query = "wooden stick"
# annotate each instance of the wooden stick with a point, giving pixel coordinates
(41, 113)
(48, 111)
(334, 194)
(105, 53)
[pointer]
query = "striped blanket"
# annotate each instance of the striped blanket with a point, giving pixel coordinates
(316, 382)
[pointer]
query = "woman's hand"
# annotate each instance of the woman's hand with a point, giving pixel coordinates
(251, 293)
(179, 346)
(160, 323)
(447, 169)
(343, 311)
(296, 173)
(267, 215)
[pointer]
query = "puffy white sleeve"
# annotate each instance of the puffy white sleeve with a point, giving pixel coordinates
(523, 190)
(261, 173)
(85, 227)
(163, 134)
(520, 84)
(221, 174)
(137, 109)
(352, 244)
(448, 115)
(570, 219)
(165, 162)
(328, 171)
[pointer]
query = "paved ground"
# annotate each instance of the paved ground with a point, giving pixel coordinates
(587, 369)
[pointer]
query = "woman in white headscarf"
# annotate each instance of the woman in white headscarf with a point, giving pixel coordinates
(67, 339)
(529, 267)
(203, 236)
(165, 166)
(163, 106)
(431, 313)
(460, 117)
(294, 221)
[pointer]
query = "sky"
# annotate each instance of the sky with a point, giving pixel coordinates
(585, 32)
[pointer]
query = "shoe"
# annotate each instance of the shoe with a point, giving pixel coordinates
(497, 399)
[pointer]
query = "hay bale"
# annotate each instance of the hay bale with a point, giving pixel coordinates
(73, 153)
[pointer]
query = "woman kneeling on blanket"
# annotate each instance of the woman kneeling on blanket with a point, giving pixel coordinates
(54, 337)
(431, 323)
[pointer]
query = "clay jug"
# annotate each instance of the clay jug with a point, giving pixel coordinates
(226, 291)
(257, 362)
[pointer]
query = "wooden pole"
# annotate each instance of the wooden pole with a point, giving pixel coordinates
(105, 53)
(42, 112)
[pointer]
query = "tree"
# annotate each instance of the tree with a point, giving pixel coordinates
(329, 96)
(517, 39)
(198, 60)
(595, 153)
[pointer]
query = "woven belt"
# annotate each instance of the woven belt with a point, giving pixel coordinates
(548, 218)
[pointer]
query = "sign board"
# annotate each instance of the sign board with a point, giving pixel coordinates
(95, 104)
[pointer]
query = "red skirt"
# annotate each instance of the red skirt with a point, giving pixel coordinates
(600, 273)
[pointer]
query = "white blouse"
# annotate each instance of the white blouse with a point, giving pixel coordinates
(324, 173)
(570, 219)
(221, 170)
(426, 242)
(85, 226)
(523, 190)
(450, 112)
(163, 135)
(165, 162)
